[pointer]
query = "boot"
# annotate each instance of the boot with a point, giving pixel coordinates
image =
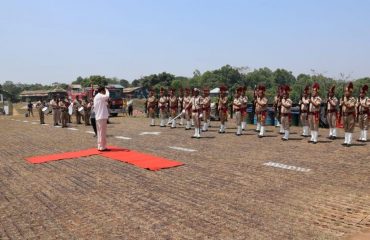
(221, 129)
(286, 136)
(360, 139)
(187, 125)
(204, 129)
(243, 125)
(277, 123)
(312, 137)
(152, 122)
(198, 132)
(315, 133)
(192, 122)
(181, 121)
(345, 139)
(224, 128)
(238, 131)
(173, 124)
(330, 133)
(258, 127)
(334, 133)
(195, 132)
(364, 139)
(281, 129)
(349, 139)
(207, 125)
(262, 132)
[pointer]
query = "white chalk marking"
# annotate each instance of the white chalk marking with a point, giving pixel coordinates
(121, 137)
(183, 149)
(150, 133)
(58, 126)
(25, 121)
(288, 167)
(45, 124)
(34, 123)
(73, 129)
(90, 132)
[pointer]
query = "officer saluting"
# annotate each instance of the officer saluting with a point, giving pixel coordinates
(206, 109)
(348, 105)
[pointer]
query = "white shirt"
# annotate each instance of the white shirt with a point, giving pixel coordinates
(101, 105)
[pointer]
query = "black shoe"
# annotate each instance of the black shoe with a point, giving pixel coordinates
(333, 137)
(309, 141)
(281, 133)
(314, 142)
(284, 139)
(152, 125)
(260, 136)
(237, 134)
(344, 144)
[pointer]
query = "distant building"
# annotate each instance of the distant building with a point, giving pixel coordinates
(57, 92)
(34, 95)
(135, 92)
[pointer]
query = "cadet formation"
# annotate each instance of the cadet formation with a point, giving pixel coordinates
(192, 107)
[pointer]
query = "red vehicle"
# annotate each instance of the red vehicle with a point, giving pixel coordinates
(115, 97)
(75, 90)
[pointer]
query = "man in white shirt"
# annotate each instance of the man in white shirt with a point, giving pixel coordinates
(101, 116)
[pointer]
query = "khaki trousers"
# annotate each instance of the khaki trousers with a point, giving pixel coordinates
(101, 127)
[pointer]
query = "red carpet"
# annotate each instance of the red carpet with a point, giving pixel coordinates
(141, 160)
(138, 159)
(62, 156)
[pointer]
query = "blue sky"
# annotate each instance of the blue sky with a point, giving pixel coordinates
(48, 41)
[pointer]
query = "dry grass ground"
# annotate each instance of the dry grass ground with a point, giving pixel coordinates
(224, 190)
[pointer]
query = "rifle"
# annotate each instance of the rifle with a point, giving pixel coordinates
(300, 104)
(326, 107)
(254, 100)
(358, 109)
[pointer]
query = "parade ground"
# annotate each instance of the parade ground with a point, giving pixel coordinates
(230, 187)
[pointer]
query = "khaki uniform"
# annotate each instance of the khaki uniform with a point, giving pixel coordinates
(40, 105)
(162, 105)
(349, 113)
(55, 111)
(286, 105)
(180, 107)
(76, 105)
(222, 108)
(303, 106)
(331, 115)
(196, 110)
(277, 103)
(185, 103)
(243, 110)
(314, 113)
(363, 106)
(87, 110)
(261, 113)
(206, 112)
(237, 106)
(64, 113)
(173, 109)
(152, 102)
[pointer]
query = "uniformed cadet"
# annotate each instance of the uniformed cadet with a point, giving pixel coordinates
(196, 111)
(277, 106)
(303, 107)
(54, 103)
(64, 112)
(87, 109)
(331, 114)
(173, 104)
(237, 105)
(348, 105)
(181, 106)
(286, 105)
(222, 108)
(151, 105)
(187, 113)
(363, 113)
(76, 105)
(206, 109)
(162, 105)
(261, 109)
(314, 113)
(40, 105)
(243, 109)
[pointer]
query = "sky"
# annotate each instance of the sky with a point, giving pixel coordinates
(46, 41)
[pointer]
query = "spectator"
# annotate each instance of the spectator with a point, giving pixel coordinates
(30, 109)
(124, 107)
(130, 105)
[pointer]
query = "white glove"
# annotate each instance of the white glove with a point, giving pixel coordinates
(200, 115)
(183, 111)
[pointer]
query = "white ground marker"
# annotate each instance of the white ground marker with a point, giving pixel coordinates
(150, 133)
(121, 137)
(34, 123)
(90, 132)
(57, 126)
(72, 129)
(25, 121)
(288, 167)
(182, 149)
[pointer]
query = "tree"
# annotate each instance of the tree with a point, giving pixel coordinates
(124, 83)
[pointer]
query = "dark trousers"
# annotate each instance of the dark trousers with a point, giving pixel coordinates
(130, 110)
(93, 124)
